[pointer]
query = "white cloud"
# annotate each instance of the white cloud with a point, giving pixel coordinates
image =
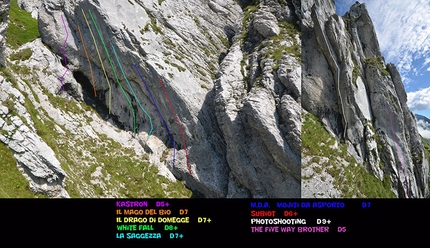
(419, 100)
(403, 29)
(423, 129)
(424, 132)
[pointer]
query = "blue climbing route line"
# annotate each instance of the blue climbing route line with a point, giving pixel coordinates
(179, 124)
(131, 88)
(158, 110)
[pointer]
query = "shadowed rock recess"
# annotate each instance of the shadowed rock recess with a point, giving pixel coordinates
(361, 103)
(84, 111)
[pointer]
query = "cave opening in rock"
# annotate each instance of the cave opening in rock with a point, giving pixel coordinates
(96, 103)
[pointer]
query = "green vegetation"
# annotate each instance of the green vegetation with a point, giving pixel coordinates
(206, 50)
(179, 57)
(348, 21)
(393, 101)
(10, 104)
(23, 71)
(8, 75)
(376, 63)
(24, 54)
(22, 27)
(129, 175)
(243, 63)
(251, 8)
(122, 172)
(169, 43)
(426, 144)
(154, 26)
(201, 72)
(224, 41)
(12, 184)
(350, 178)
(159, 66)
(146, 29)
(180, 68)
(160, 1)
(278, 52)
(355, 74)
(287, 31)
(290, 29)
(196, 20)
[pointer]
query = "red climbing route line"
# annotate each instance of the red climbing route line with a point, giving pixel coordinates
(89, 61)
(179, 125)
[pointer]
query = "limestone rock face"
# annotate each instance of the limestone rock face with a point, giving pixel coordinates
(258, 108)
(359, 99)
(220, 98)
(36, 160)
(266, 24)
(31, 6)
(4, 8)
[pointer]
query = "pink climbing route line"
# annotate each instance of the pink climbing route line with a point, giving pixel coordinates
(179, 125)
(64, 53)
(399, 153)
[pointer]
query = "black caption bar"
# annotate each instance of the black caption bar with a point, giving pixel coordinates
(188, 220)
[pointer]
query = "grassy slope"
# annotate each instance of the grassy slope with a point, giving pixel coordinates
(355, 181)
(12, 183)
(130, 176)
(426, 145)
(22, 27)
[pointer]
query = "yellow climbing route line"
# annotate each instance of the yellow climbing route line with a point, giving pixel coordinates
(114, 72)
(89, 61)
(101, 61)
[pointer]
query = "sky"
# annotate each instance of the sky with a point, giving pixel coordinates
(403, 30)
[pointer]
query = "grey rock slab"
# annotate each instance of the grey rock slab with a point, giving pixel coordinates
(266, 23)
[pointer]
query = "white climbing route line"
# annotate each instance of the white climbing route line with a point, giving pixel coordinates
(334, 62)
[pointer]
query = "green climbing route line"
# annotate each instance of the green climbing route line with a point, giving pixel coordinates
(100, 58)
(114, 71)
(131, 88)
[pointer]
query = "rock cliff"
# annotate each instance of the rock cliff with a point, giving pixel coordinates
(4, 8)
(361, 102)
(205, 92)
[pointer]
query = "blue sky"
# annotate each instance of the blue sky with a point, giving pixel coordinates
(403, 29)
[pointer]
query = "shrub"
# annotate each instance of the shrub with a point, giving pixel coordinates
(21, 55)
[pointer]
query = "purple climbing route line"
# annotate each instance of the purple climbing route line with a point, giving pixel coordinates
(399, 153)
(64, 54)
